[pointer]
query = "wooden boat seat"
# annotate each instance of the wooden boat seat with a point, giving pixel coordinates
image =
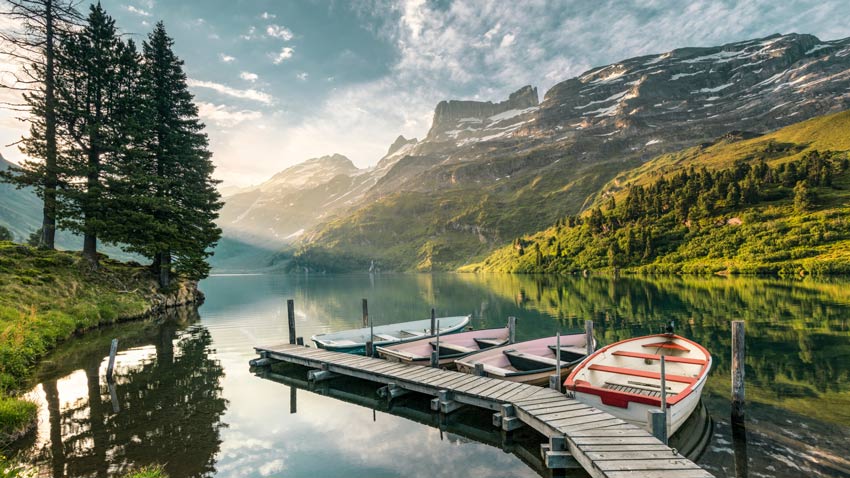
(448, 349)
(526, 362)
(387, 338)
(641, 373)
(619, 387)
(667, 358)
(484, 343)
(668, 346)
(570, 353)
(411, 333)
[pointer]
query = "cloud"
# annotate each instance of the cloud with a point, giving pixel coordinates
(508, 40)
(284, 54)
(249, 94)
(278, 31)
(267, 16)
(138, 11)
(226, 58)
(250, 35)
(248, 76)
(224, 116)
(302, 76)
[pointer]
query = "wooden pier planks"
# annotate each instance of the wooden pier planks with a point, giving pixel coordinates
(604, 445)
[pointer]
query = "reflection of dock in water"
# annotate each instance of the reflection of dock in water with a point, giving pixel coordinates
(465, 424)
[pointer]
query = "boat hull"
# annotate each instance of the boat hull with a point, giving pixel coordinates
(354, 341)
(636, 413)
(454, 346)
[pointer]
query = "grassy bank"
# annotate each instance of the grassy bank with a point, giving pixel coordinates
(47, 297)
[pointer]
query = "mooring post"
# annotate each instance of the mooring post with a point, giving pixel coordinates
(738, 371)
(365, 313)
(511, 330)
(435, 355)
(664, 398)
(557, 362)
(658, 425)
(290, 315)
(479, 369)
(299, 340)
(113, 350)
(588, 336)
(293, 399)
(433, 319)
(370, 345)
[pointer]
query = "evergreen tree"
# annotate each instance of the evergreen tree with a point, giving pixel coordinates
(89, 117)
(44, 23)
(804, 197)
(5, 235)
(170, 176)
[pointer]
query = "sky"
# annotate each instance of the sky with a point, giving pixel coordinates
(278, 82)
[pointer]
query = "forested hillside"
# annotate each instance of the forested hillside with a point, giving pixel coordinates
(778, 203)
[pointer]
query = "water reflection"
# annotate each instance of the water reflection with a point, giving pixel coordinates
(187, 398)
(168, 389)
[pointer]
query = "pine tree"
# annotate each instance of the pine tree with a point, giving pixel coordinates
(88, 117)
(44, 23)
(176, 218)
(804, 197)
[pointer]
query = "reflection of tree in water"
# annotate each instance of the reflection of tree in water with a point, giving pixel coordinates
(171, 408)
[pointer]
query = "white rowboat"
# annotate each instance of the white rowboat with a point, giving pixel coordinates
(624, 379)
(452, 346)
(354, 340)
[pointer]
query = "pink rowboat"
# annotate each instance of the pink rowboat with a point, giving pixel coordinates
(452, 346)
(530, 362)
(624, 379)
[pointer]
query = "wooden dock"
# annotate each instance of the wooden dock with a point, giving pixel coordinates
(605, 446)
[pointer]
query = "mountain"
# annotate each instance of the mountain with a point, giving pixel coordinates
(20, 209)
(487, 172)
(774, 203)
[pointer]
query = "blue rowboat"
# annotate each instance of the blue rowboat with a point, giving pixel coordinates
(354, 341)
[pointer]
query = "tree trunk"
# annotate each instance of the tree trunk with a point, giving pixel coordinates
(165, 269)
(48, 224)
(90, 249)
(156, 263)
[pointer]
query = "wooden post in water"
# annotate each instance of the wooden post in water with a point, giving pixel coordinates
(433, 319)
(293, 399)
(588, 336)
(738, 372)
(113, 350)
(664, 398)
(365, 313)
(558, 362)
(435, 355)
(370, 345)
(511, 330)
(290, 315)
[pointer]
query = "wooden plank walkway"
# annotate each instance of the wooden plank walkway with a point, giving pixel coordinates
(605, 446)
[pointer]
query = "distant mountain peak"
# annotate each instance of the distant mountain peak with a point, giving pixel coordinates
(399, 143)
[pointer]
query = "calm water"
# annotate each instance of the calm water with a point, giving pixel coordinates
(185, 396)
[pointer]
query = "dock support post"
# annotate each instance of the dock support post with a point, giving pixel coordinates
(511, 330)
(370, 344)
(290, 315)
(293, 400)
(588, 335)
(113, 350)
(556, 455)
(445, 403)
(365, 313)
(509, 421)
(479, 369)
(320, 375)
(658, 425)
(299, 340)
(738, 364)
(433, 320)
(664, 397)
(435, 355)
(391, 391)
(555, 380)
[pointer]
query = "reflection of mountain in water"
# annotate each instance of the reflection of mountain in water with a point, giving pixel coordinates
(169, 393)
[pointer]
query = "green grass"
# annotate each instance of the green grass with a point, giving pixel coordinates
(769, 237)
(153, 471)
(45, 298)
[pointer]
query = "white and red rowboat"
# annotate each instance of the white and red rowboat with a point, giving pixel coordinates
(624, 379)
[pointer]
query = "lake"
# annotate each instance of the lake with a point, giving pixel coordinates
(184, 395)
